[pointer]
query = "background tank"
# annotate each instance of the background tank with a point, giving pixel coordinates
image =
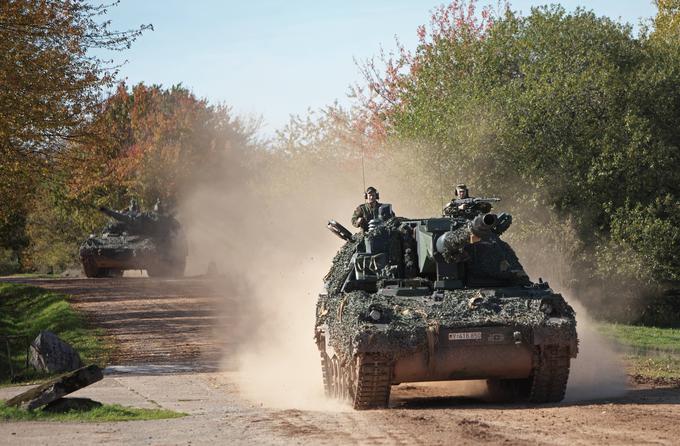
(439, 299)
(151, 241)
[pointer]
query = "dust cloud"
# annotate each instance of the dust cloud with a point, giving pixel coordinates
(598, 372)
(261, 229)
(263, 233)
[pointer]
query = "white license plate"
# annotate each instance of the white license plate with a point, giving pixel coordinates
(468, 335)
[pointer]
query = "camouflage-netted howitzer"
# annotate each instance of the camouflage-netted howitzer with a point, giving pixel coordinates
(151, 241)
(439, 299)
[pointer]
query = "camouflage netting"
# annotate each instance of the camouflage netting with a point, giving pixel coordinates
(495, 259)
(403, 327)
(341, 264)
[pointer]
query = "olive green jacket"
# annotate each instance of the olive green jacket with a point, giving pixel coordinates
(367, 212)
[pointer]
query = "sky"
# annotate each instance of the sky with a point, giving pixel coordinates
(272, 58)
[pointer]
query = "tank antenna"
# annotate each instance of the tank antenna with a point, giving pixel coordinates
(363, 169)
(441, 182)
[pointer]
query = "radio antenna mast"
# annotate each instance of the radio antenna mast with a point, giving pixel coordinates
(363, 168)
(441, 178)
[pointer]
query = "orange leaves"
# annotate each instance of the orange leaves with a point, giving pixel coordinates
(153, 142)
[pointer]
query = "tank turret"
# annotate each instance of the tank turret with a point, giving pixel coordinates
(119, 216)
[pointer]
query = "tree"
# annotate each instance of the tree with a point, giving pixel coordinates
(50, 87)
(154, 143)
(667, 20)
(568, 116)
(146, 142)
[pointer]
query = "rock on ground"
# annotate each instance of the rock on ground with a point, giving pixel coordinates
(52, 355)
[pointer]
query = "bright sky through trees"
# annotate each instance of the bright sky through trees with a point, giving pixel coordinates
(273, 58)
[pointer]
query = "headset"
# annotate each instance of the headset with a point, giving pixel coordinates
(369, 189)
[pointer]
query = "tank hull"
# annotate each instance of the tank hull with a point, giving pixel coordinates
(465, 363)
(509, 335)
(111, 256)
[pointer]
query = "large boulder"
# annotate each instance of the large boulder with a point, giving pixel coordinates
(50, 354)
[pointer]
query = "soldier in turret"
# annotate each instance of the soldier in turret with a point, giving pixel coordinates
(158, 207)
(133, 209)
(465, 206)
(368, 211)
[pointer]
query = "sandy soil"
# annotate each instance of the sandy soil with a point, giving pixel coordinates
(170, 334)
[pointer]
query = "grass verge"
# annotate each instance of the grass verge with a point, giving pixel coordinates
(653, 353)
(25, 311)
(107, 412)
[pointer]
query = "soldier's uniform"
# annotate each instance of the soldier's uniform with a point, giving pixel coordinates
(470, 209)
(368, 212)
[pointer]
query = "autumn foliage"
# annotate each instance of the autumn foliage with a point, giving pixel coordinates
(154, 143)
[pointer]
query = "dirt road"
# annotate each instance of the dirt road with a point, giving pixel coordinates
(181, 327)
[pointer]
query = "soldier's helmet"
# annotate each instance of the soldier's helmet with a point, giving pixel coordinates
(370, 189)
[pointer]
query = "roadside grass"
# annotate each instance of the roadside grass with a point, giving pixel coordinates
(33, 276)
(653, 353)
(24, 312)
(105, 413)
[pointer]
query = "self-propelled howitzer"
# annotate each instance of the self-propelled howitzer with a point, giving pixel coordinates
(440, 299)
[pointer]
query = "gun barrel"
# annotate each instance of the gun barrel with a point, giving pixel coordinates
(450, 244)
(339, 230)
(482, 224)
(115, 215)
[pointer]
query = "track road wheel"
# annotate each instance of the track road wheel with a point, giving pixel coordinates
(326, 373)
(338, 379)
(113, 272)
(370, 388)
(90, 268)
(549, 380)
(508, 389)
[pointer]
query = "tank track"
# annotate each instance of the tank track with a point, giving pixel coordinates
(550, 376)
(373, 382)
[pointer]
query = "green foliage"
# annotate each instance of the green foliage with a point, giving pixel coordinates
(105, 413)
(50, 85)
(55, 227)
(9, 263)
(667, 20)
(647, 237)
(557, 112)
(26, 310)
